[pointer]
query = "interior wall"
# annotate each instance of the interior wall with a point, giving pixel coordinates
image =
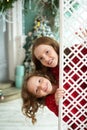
(3, 54)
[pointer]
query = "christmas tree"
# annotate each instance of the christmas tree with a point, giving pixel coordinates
(41, 28)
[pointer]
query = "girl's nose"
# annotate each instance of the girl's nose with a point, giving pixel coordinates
(41, 86)
(46, 58)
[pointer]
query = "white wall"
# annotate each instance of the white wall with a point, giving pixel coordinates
(3, 54)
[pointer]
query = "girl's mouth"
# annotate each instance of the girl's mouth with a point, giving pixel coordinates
(50, 62)
(46, 87)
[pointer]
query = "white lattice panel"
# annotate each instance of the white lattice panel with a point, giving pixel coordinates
(75, 65)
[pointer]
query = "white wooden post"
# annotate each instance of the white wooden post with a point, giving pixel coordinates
(61, 63)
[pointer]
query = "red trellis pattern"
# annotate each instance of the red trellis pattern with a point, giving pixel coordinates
(74, 111)
(75, 85)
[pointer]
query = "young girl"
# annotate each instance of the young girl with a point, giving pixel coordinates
(45, 55)
(36, 88)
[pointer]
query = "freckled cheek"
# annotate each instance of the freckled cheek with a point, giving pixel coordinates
(43, 62)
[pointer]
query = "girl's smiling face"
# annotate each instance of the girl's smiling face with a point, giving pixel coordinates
(46, 55)
(39, 86)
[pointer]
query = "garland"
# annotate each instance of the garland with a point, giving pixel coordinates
(5, 5)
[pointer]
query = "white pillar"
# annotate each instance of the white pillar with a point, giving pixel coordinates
(14, 33)
(60, 125)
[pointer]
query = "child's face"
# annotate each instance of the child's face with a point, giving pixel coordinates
(39, 86)
(46, 55)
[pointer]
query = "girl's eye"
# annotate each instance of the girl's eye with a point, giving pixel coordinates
(37, 90)
(39, 80)
(41, 58)
(47, 52)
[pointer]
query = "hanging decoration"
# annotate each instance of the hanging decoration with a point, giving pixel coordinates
(30, 4)
(51, 5)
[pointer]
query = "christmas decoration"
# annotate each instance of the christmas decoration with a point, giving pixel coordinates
(41, 28)
(5, 5)
(1, 95)
(50, 6)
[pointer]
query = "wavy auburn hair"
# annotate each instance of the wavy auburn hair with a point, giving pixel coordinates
(44, 40)
(31, 103)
